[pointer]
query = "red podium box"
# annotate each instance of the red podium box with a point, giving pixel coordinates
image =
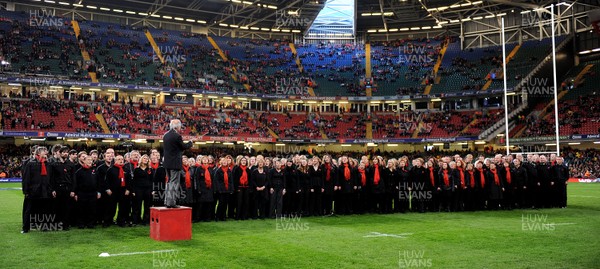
(171, 224)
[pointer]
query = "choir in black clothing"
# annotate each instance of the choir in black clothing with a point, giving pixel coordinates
(262, 187)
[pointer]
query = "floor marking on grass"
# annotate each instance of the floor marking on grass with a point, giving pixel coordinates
(584, 196)
(106, 254)
(564, 223)
(10, 189)
(376, 234)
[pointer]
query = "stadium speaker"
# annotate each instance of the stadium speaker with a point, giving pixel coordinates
(446, 145)
(151, 141)
(465, 146)
(50, 138)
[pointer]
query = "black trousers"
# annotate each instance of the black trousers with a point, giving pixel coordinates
(276, 203)
(378, 200)
(33, 210)
(360, 201)
(231, 206)
(252, 205)
(343, 204)
(470, 202)
(124, 216)
(87, 209)
(243, 203)
(508, 201)
(519, 197)
(100, 208)
(261, 201)
(111, 207)
(434, 204)
(315, 203)
(388, 203)
(62, 208)
(305, 197)
(207, 211)
(561, 192)
(292, 202)
(222, 203)
(142, 196)
(327, 203)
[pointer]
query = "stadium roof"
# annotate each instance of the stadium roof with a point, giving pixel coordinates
(370, 14)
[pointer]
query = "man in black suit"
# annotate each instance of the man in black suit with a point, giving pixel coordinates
(173, 150)
(37, 191)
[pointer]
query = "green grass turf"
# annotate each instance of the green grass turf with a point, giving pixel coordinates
(445, 240)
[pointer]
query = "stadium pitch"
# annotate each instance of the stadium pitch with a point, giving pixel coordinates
(547, 238)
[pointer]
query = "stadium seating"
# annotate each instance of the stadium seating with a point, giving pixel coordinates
(401, 66)
(32, 47)
(46, 115)
(335, 68)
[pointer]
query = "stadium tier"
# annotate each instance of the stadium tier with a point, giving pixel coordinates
(299, 134)
(140, 55)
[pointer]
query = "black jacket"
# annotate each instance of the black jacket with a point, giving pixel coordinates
(101, 170)
(258, 179)
(219, 181)
(86, 181)
(33, 183)
(560, 173)
(291, 177)
(328, 185)
(159, 178)
(142, 179)
(378, 187)
(277, 179)
(237, 175)
(519, 177)
(113, 181)
(316, 177)
(494, 190)
(451, 180)
(173, 150)
(62, 177)
(206, 193)
(347, 184)
(543, 171)
(419, 178)
(532, 174)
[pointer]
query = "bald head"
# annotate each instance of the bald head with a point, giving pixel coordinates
(175, 124)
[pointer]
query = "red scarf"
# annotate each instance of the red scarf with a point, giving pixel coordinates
(188, 180)
(44, 172)
(496, 178)
(376, 174)
(225, 177)
(363, 177)
(472, 174)
(346, 172)
(446, 178)
(83, 166)
(121, 174)
(154, 166)
(207, 179)
(244, 178)
(462, 176)
(481, 177)
(431, 176)
(328, 169)
(135, 164)
(508, 176)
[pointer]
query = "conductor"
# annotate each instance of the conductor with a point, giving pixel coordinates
(173, 151)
